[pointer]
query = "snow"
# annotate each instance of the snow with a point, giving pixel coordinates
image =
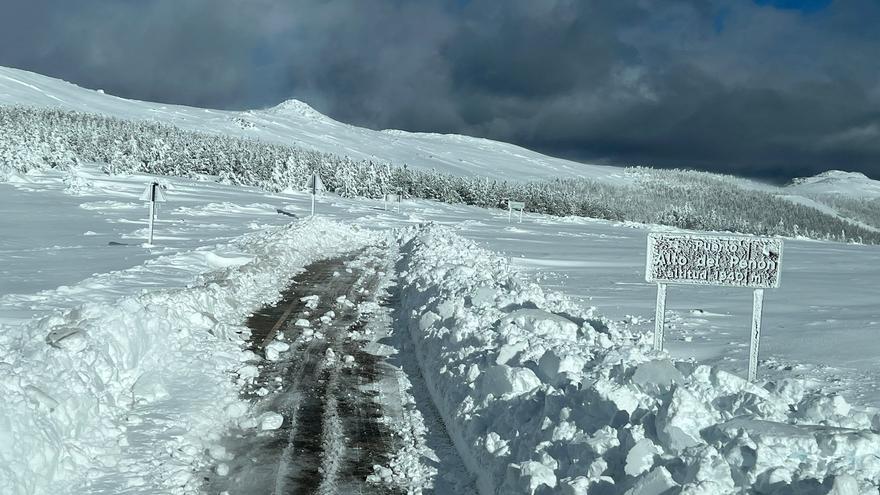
(499, 342)
(120, 357)
(633, 408)
(295, 122)
(121, 366)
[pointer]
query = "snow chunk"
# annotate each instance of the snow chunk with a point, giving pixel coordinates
(844, 484)
(575, 486)
(311, 301)
(641, 457)
(679, 424)
(554, 366)
(502, 380)
(496, 445)
(538, 322)
(274, 350)
(217, 262)
(657, 376)
(271, 421)
(531, 475)
(654, 483)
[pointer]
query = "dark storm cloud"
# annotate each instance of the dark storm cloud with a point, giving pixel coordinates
(771, 88)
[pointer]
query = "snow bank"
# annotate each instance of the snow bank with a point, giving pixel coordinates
(131, 395)
(540, 395)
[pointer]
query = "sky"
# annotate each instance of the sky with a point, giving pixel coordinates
(765, 88)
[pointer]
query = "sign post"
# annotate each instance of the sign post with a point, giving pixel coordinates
(393, 197)
(314, 185)
(153, 193)
(755, 337)
(660, 317)
(728, 261)
(515, 205)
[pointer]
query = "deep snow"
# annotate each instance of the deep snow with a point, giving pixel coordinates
(85, 419)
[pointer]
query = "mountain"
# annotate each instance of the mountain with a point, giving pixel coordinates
(296, 123)
(837, 182)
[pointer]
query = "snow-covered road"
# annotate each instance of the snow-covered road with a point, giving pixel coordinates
(330, 402)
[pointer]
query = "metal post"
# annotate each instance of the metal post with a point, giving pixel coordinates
(520, 215)
(755, 340)
(660, 317)
(152, 211)
(509, 213)
(313, 203)
(385, 202)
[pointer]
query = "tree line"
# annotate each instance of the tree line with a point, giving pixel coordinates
(34, 138)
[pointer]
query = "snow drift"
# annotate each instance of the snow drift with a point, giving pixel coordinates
(541, 395)
(155, 367)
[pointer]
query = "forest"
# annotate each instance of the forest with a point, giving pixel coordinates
(36, 138)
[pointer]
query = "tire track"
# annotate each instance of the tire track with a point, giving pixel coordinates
(332, 432)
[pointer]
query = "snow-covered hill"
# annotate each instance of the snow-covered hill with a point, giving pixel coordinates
(296, 123)
(837, 182)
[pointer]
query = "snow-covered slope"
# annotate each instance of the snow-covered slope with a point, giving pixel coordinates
(294, 122)
(837, 182)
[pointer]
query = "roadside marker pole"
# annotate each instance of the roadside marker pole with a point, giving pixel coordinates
(314, 185)
(152, 215)
(153, 193)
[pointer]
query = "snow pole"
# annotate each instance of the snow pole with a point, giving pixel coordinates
(153, 193)
(152, 215)
(314, 185)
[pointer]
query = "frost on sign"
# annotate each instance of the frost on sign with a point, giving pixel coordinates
(713, 260)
